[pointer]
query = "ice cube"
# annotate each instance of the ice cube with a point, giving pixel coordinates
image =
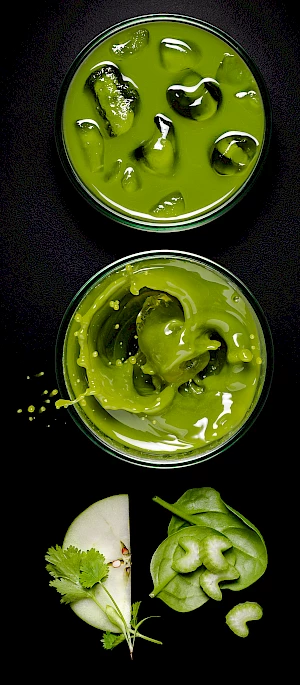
(234, 71)
(195, 97)
(116, 97)
(177, 55)
(113, 173)
(250, 99)
(91, 142)
(232, 152)
(158, 153)
(169, 206)
(130, 181)
(133, 41)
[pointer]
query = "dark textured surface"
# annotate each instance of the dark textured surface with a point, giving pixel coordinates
(52, 242)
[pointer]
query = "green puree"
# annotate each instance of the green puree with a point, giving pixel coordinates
(163, 355)
(125, 153)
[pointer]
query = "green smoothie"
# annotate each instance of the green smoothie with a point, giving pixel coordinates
(163, 355)
(163, 123)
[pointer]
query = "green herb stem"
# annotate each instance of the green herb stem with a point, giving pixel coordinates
(91, 594)
(145, 637)
(149, 639)
(126, 627)
(116, 606)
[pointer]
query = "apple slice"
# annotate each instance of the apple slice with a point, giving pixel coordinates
(104, 526)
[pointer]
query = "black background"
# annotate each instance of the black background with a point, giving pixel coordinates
(52, 242)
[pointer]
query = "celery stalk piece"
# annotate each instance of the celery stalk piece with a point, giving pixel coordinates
(240, 614)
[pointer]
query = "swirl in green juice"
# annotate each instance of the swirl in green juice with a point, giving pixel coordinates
(163, 122)
(164, 355)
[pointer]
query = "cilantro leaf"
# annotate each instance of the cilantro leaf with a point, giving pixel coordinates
(75, 573)
(81, 568)
(134, 612)
(64, 566)
(111, 640)
(93, 568)
(69, 590)
(64, 563)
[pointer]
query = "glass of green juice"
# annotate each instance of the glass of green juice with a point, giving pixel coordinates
(163, 122)
(164, 359)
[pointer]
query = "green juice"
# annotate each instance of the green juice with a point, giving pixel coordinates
(163, 356)
(163, 123)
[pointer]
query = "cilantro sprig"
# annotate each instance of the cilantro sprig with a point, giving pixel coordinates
(76, 575)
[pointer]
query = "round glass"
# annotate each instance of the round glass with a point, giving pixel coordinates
(164, 359)
(163, 122)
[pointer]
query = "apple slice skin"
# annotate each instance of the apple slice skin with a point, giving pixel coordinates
(104, 526)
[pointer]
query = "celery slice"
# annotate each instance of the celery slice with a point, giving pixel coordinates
(238, 617)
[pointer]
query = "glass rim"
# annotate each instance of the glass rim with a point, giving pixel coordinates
(190, 457)
(168, 225)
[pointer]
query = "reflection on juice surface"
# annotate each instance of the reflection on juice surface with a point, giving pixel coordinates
(163, 122)
(164, 355)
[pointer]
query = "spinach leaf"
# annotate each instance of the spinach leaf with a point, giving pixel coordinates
(181, 591)
(202, 509)
(198, 506)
